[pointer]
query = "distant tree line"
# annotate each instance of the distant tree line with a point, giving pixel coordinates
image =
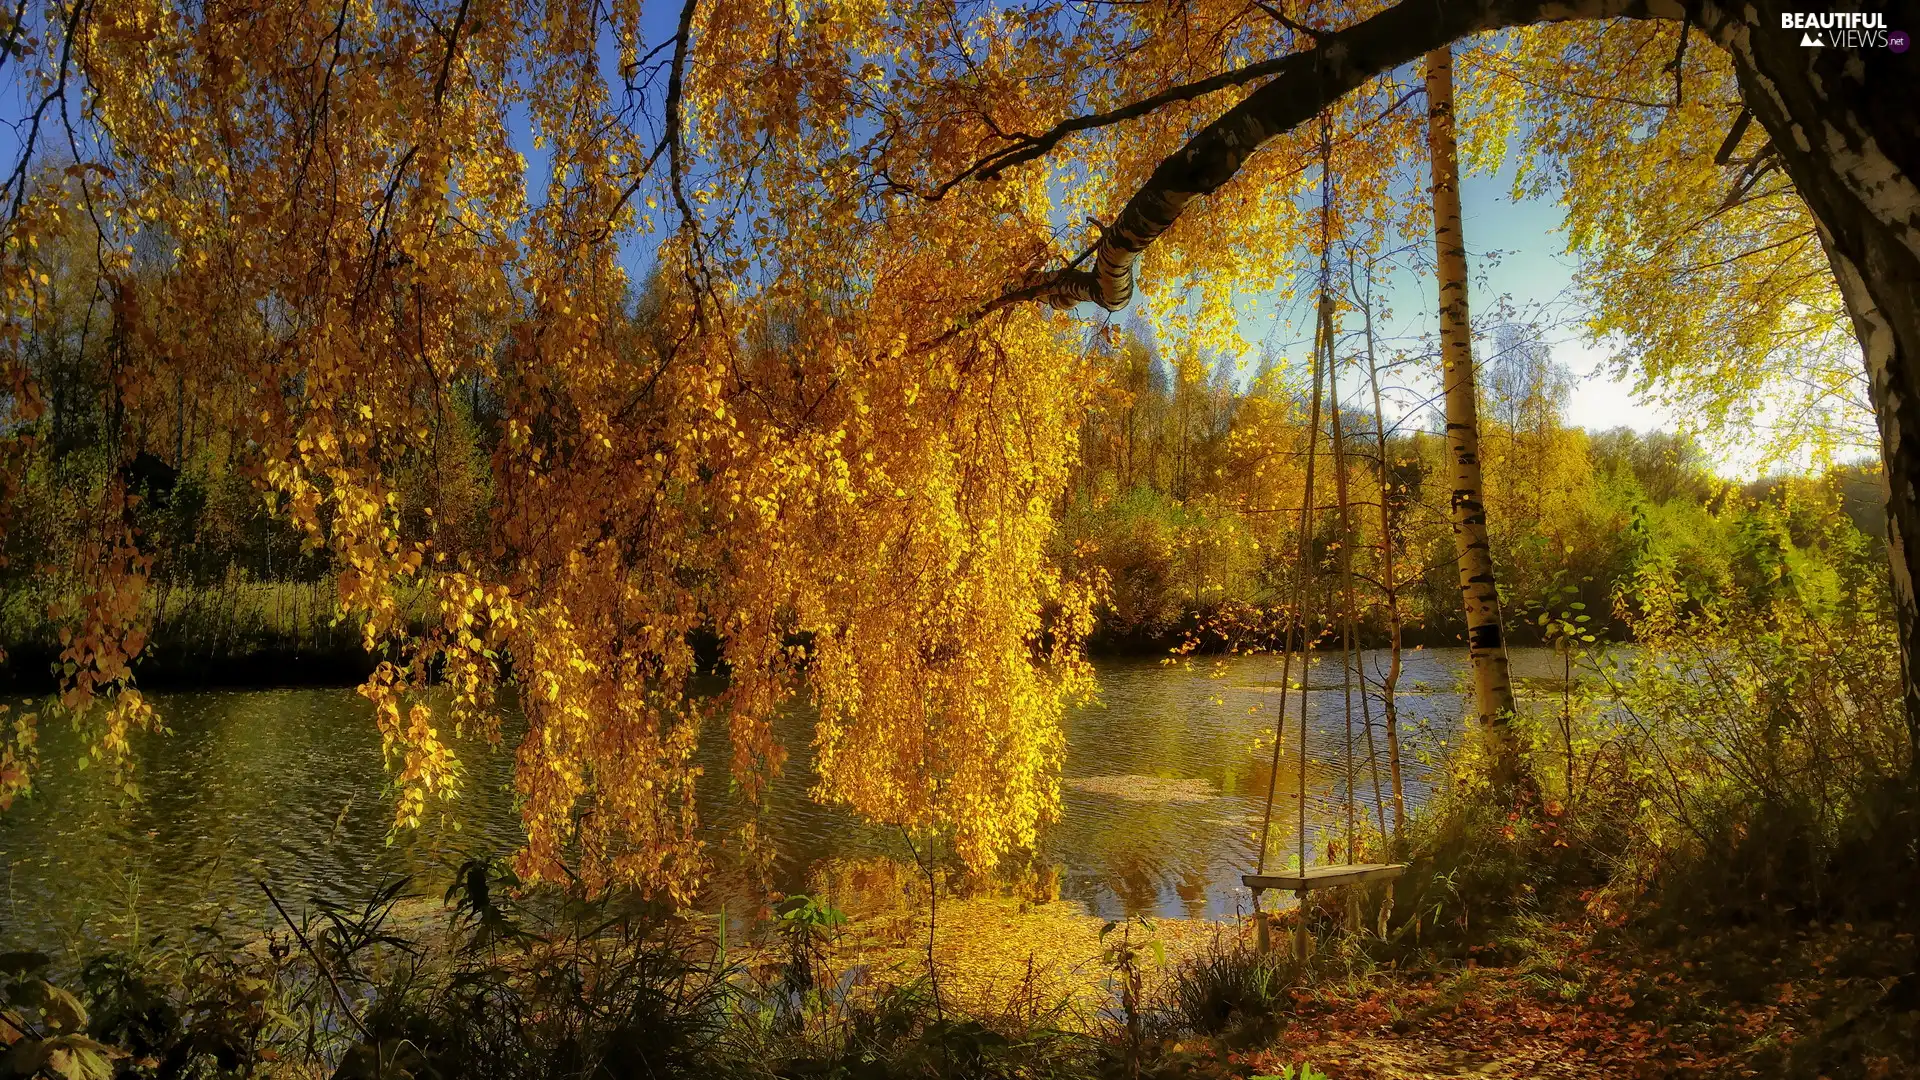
(1191, 474)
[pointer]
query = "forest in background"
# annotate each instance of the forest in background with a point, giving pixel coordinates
(1186, 497)
(1182, 505)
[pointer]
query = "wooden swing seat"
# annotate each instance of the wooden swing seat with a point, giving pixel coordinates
(1325, 877)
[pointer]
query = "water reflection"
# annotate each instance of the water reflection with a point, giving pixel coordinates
(1161, 803)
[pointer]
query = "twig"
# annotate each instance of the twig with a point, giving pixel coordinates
(933, 920)
(1023, 147)
(339, 994)
(1676, 65)
(1281, 17)
(341, 820)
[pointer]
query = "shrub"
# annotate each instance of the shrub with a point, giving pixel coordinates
(1228, 984)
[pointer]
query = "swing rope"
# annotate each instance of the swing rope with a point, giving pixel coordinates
(1323, 347)
(1302, 612)
(1352, 659)
(1298, 617)
(1351, 656)
(1348, 654)
(1323, 355)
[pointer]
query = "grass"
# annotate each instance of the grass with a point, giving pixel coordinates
(551, 986)
(1228, 985)
(237, 631)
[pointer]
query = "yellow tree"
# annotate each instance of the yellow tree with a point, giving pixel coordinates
(1848, 158)
(314, 215)
(1696, 252)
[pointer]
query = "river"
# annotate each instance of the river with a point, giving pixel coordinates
(1161, 802)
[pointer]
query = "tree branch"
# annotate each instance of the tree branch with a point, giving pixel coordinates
(1027, 148)
(1282, 18)
(1303, 84)
(1732, 142)
(453, 46)
(676, 167)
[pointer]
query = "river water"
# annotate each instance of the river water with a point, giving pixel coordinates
(1161, 802)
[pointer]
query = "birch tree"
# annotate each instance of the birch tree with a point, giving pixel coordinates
(1479, 595)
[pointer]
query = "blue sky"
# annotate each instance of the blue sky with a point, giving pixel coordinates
(1533, 271)
(1516, 258)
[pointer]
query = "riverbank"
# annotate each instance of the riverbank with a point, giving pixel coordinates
(267, 636)
(989, 986)
(232, 632)
(29, 669)
(1579, 996)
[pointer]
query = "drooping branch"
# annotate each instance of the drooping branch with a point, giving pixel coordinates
(1303, 84)
(675, 87)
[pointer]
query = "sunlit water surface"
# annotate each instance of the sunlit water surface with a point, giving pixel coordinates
(1162, 796)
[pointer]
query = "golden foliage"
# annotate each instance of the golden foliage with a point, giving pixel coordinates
(313, 219)
(1709, 279)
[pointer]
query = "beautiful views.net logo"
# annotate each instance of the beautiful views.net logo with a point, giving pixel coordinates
(1844, 29)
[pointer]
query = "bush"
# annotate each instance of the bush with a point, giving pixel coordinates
(1769, 750)
(1227, 985)
(1739, 794)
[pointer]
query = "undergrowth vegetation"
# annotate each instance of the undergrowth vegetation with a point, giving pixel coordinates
(551, 987)
(1731, 817)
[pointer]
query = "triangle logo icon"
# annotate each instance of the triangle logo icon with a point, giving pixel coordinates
(1810, 41)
